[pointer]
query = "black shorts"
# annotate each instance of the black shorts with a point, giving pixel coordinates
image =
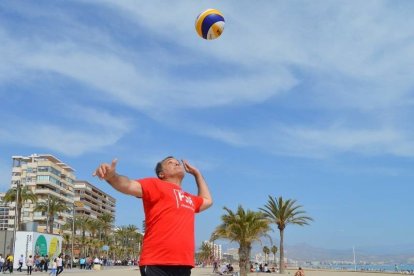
(165, 270)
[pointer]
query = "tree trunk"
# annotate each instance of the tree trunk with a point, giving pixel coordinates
(282, 254)
(51, 220)
(83, 241)
(244, 259)
(19, 216)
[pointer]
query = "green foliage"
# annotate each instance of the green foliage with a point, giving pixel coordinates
(266, 252)
(243, 227)
(52, 206)
(22, 194)
(206, 253)
(286, 212)
(283, 213)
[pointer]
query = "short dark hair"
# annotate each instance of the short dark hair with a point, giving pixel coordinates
(158, 167)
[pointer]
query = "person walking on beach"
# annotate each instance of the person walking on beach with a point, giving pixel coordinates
(1, 263)
(168, 246)
(21, 259)
(300, 272)
(59, 263)
(54, 268)
(215, 267)
(29, 264)
(47, 261)
(9, 261)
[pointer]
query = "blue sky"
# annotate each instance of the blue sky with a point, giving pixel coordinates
(306, 100)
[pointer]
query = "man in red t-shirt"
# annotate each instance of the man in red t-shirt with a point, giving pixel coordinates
(168, 247)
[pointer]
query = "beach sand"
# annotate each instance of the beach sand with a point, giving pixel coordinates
(133, 271)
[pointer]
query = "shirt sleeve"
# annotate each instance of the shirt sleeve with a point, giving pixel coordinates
(150, 191)
(198, 201)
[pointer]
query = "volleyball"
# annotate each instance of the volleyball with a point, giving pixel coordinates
(210, 24)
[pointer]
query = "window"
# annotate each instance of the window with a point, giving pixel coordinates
(54, 171)
(43, 169)
(42, 178)
(54, 180)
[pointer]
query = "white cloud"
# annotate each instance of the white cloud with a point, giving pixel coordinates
(89, 130)
(347, 58)
(61, 139)
(95, 117)
(313, 142)
(320, 38)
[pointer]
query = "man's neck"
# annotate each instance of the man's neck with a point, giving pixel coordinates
(175, 180)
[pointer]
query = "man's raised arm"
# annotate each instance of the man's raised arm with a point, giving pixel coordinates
(203, 190)
(121, 183)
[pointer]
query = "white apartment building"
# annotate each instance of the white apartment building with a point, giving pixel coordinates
(46, 176)
(93, 201)
(217, 251)
(4, 213)
(234, 252)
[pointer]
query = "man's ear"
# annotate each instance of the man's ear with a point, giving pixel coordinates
(161, 175)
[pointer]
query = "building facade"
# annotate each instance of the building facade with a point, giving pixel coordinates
(4, 213)
(93, 201)
(46, 176)
(216, 248)
(234, 253)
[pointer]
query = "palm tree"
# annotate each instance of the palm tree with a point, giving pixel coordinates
(106, 220)
(66, 242)
(266, 252)
(82, 222)
(138, 237)
(243, 227)
(121, 237)
(93, 227)
(24, 194)
(282, 213)
(52, 206)
(89, 245)
(273, 249)
(206, 253)
(132, 231)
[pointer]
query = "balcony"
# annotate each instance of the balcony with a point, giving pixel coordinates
(53, 193)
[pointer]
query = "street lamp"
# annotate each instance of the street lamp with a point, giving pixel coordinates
(16, 216)
(73, 234)
(47, 213)
(75, 204)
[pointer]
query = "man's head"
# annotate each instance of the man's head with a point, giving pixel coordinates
(169, 167)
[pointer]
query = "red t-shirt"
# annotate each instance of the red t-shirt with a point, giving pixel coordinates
(169, 223)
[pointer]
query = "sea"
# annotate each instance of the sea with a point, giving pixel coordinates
(368, 267)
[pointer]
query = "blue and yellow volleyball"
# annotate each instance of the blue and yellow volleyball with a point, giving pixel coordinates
(210, 24)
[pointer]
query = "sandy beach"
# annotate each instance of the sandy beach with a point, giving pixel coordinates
(133, 271)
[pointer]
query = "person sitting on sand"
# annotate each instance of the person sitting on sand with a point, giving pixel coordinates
(300, 272)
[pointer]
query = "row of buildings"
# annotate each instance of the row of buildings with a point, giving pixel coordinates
(46, 176)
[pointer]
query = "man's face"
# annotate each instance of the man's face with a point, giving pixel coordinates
(172, 167)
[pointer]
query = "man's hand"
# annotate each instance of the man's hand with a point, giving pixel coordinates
(106, 171)
(201, 184)
(120, 183)
(190, 169)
